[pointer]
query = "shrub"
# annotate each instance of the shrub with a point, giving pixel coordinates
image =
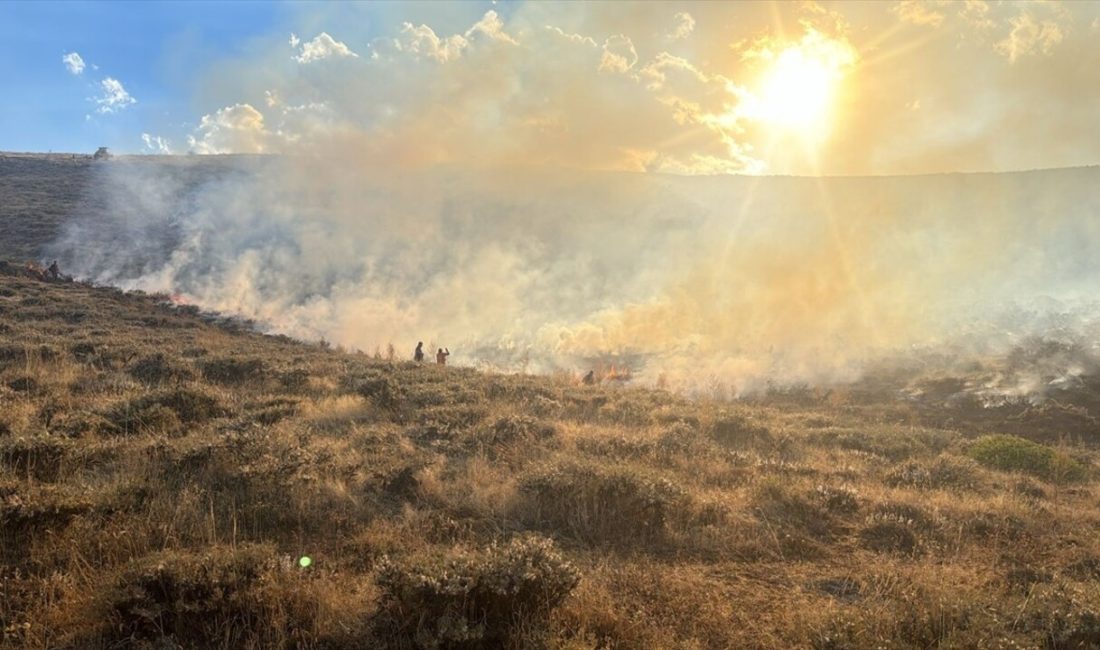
(738, 431)
(163, 411)
(776, 503)
(1015, 454)
(837, 499)
(233, 371)
(479, 600)
(944, 472)
(511, 428)
(887, 533)
(214, 598)
(38, 457)
(605, 504)
(383, 391)
(156, 369)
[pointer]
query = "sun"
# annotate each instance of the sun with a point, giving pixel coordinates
(796, 91)
(797, 86)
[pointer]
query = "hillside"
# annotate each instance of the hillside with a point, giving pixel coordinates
(164, 472)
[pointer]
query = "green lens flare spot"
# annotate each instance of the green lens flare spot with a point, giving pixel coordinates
(305, 561)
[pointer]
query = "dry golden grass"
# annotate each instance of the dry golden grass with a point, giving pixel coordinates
(162, 474)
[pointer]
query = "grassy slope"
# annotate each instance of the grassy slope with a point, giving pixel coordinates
(160, 474)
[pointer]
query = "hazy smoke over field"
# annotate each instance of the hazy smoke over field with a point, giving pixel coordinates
(455, 189)
(741, 279)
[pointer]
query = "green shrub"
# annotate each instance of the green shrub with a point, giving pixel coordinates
(475, 600)
(601, 504)
(1015, 454)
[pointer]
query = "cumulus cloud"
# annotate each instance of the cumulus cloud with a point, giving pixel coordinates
(156, 144)
(918, 12)
(492, 27)
(683, 26)
(1030, 36)
(113, 97)
(234, 129)
(321, 47)
(74, 63)
(619, 54)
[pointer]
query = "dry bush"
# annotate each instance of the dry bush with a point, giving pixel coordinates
(163, 411)
(157, 369)
(739, 432)
(220, 597)
(492, 598)
(946, 472)
(234, 371)
(596, 503)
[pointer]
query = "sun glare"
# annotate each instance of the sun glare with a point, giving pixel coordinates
(796, 88)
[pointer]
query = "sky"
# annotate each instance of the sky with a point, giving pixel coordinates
(802, 88)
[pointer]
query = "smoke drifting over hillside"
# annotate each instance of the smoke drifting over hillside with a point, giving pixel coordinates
(736, 279)
(451, 186)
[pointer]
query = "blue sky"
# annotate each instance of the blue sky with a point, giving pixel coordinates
(158, 51)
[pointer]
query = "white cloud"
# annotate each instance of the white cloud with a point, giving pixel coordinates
(422, 41)
(619, 54)
(156, 144)
(74, 63)
(918, 12)
(114, 97)
(321, 47)
(576, 38)
(294, 40)
(1030, 36)
(684, 26)
(492, 26)
(234, 129)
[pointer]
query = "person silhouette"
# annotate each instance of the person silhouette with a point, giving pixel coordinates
(418, 356)
(441, 356)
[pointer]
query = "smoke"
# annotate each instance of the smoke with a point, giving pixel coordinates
(461, 189)
(740, 280)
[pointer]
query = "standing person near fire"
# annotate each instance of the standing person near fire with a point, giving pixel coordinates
(441, 356)
(418, 356)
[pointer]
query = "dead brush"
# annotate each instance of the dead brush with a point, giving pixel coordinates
(494, 598)
(600, 504)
